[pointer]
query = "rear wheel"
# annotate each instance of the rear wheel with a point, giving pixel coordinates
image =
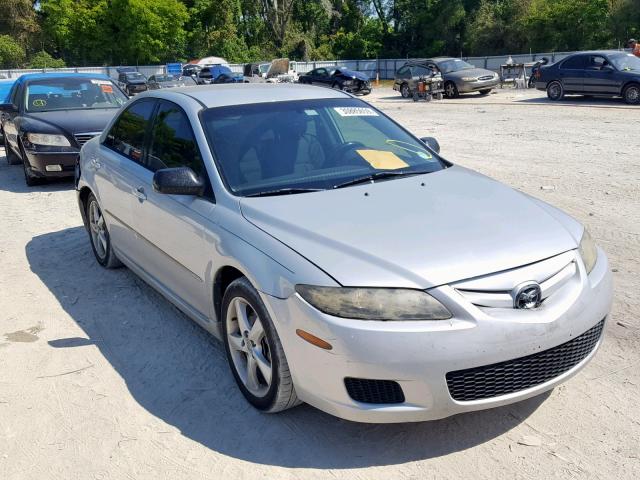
(555, 91)
(631, 94)
(254, 351)
(450, 90)
(99, 235)
(405, 91)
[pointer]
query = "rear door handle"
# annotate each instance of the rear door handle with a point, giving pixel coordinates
(139, 192)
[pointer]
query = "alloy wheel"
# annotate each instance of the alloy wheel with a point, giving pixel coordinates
(450, 90)
(98, 230)
(632, 95)
(404, 91)
(249, 347)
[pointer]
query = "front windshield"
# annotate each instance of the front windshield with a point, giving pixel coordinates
(626, 62)
(134, 76)
(72, 94)
(264, 68)
(310, 144)
(454, 65)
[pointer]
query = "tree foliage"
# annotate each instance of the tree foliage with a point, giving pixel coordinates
(42, 59)
(95, 32)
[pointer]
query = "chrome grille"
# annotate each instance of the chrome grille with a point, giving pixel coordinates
(83, 138)
(522, 373)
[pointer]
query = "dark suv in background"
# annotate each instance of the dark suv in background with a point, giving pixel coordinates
(599, 73)
(131, 81)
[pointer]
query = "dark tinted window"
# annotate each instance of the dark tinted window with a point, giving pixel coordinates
(127, 135)
(596, 62)
(172, 142)
(574, 63)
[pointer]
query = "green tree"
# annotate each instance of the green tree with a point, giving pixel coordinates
(18, 19)
(12, 54)
(43, 60)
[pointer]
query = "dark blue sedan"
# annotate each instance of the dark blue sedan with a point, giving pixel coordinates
(600, 73)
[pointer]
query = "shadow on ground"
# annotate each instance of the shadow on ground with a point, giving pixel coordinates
(578, 100)
(178, 373)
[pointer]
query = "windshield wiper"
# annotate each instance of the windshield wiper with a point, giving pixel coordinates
(370, 178)
(283, 191)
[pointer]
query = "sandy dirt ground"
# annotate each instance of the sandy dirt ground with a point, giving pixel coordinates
(101, 378)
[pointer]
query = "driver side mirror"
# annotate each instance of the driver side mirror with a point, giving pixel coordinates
(178, 181)
(432, 143)
(8, 107)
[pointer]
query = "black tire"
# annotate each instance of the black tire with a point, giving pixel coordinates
(631, 94)
(439, 96)
(107, 258)
(29, 178)
(337, 86)
(486, 91)
(12, 158)
(281, 393)
(415, 96)
(555, 91)
(451, 90)
(405, 91)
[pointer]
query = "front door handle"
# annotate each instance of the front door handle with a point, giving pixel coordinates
(139, 192)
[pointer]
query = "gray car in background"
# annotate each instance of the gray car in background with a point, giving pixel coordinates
(462, 77)
(341, 260)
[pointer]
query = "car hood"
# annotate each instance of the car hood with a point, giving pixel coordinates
(69, 121)
(472, 72)
(352, 74)
(459, 225)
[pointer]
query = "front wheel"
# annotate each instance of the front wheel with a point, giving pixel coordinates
(405, 91)
(555, 91)
(254, 351)
(450, 90)
(99, 235)
(631, 94)
(486, 91)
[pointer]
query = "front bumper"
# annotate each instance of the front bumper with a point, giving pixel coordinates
(469, 87)
(39, 161)
(418, 355)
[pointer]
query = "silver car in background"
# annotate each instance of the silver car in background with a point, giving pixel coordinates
(462, 77)
(342, 261)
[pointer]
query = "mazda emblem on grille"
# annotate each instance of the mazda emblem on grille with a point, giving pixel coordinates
(527, 295)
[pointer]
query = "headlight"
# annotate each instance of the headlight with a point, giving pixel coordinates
(588, 251)
(374, 303)
(48, 140)
(469, 79)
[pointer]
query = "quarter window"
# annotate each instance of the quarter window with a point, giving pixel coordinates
(127, 136)
(172, 141)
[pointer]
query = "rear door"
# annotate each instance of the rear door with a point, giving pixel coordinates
(320, 77)
(9, 118)
(116, 170)
(571, 72)
(598, 79)
(170, 228)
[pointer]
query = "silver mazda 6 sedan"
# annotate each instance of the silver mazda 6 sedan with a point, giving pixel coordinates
(341, 260)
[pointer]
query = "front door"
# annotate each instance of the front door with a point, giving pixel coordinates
(600, 77)
(170, 226)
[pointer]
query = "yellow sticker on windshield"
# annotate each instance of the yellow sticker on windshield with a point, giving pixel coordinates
(382, 160)
(39, 102)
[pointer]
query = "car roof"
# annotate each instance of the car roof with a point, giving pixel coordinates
(597, 52)
(27, 77)
(211, 96)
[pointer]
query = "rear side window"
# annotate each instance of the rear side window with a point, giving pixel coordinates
(419, 71)
(172, 141)
(127, 135)
(573, 63)
(404, 72)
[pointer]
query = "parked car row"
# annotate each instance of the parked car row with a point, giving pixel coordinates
(340, 78)
(265, 219)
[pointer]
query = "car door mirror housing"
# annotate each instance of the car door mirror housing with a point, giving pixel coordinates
(178, 181)
(432, 143)
(8, 107)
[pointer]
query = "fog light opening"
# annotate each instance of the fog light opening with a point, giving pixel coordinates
(53, 168)
(313, 340)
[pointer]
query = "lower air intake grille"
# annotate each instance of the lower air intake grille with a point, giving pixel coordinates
(522, 373)
(83, 138)
(374, 391)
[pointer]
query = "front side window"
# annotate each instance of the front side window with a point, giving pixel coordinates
(596, 62)
(71, 93)
(310, 144)
(127, 135)
(454, 65)
(172, 141)
(626, 62)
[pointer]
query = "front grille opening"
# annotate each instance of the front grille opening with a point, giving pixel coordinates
(522, 373)
(374, 391)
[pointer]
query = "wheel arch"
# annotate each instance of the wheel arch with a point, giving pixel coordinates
(628, 84)
(222, 279)
(83, 195)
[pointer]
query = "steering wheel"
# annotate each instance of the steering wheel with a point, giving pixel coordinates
(342, 151)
